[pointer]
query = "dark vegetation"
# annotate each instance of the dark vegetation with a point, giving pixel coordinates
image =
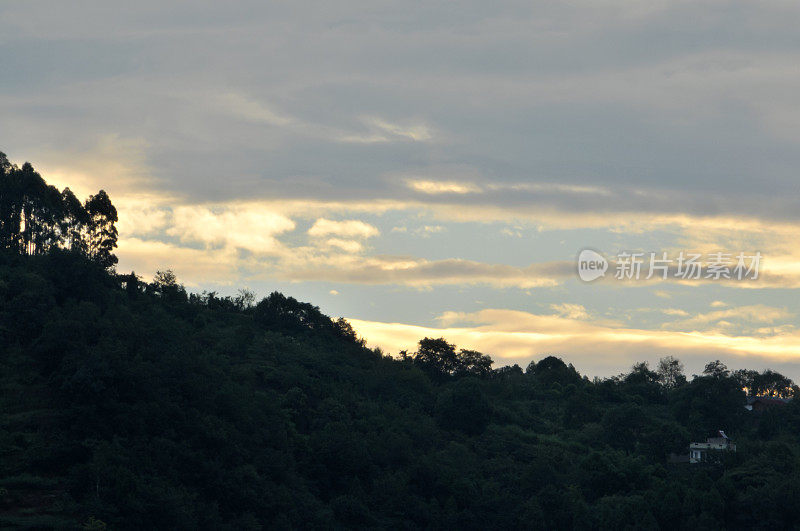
(135, 405)
(36, 217)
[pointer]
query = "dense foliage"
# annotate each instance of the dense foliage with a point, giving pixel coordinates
(36, 217)
(138, 406)
(134, 405)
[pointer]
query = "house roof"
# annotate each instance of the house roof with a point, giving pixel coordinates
(767, 400)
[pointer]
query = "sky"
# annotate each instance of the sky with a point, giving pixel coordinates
(435, 168)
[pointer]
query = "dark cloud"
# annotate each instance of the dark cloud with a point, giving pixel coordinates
(691, 103)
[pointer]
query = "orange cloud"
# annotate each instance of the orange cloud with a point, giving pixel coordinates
(594, 347)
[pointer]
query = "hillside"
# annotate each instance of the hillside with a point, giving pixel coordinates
(135, 405)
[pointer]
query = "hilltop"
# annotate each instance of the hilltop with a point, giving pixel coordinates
(133, 404)
(137, 405)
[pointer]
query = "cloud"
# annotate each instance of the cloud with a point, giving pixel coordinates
(417, 133)
(422, 273)
(675, 311)
(250, 109)
(443, 187)
(349, 246)
(595, 349)
(555, 108)
(515, 232)
(257, 227)
(550, 187)
(427, 230)
(335, 253)
(738, 318)
(230, 226)
(192, 265)
(570, 311)
(376, 130)
(349, 229)
(110, 161)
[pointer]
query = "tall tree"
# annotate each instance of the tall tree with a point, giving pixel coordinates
(102, 234)
(74, 221)
(32, 188)
(36, 217)
(9, 204)
(670, 372)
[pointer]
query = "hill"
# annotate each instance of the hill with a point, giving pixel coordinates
(136, 405)
(127, 404)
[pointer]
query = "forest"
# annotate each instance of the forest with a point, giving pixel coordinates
(36, 217)
(133, 404)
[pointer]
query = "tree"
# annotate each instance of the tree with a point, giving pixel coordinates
(102, 234)
(279, 312)
(624, 425)
(74, 221)
(31, 188)
(464, 407)
(36, 217)
(244, 299)
(710, 402)
(767, 383)
(578, 410)
(9, 204)
(165, 280)
(670, 372)
(550, 370)
(771, 383)
(716, 369)
(344, 329)
(508, 371)
(436, 356)
(165, 284)
(473, 363)
(440, 359)
(641, 374)
(132, 283)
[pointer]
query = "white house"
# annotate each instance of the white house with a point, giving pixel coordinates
(698, 452)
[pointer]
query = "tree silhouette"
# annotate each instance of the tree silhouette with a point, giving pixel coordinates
(670, 372)
(440, 360)
(102, 234)
(36, 217)
(473, 363)
(436, 356)
(74, 219)
(716, 369)
(767, 383)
